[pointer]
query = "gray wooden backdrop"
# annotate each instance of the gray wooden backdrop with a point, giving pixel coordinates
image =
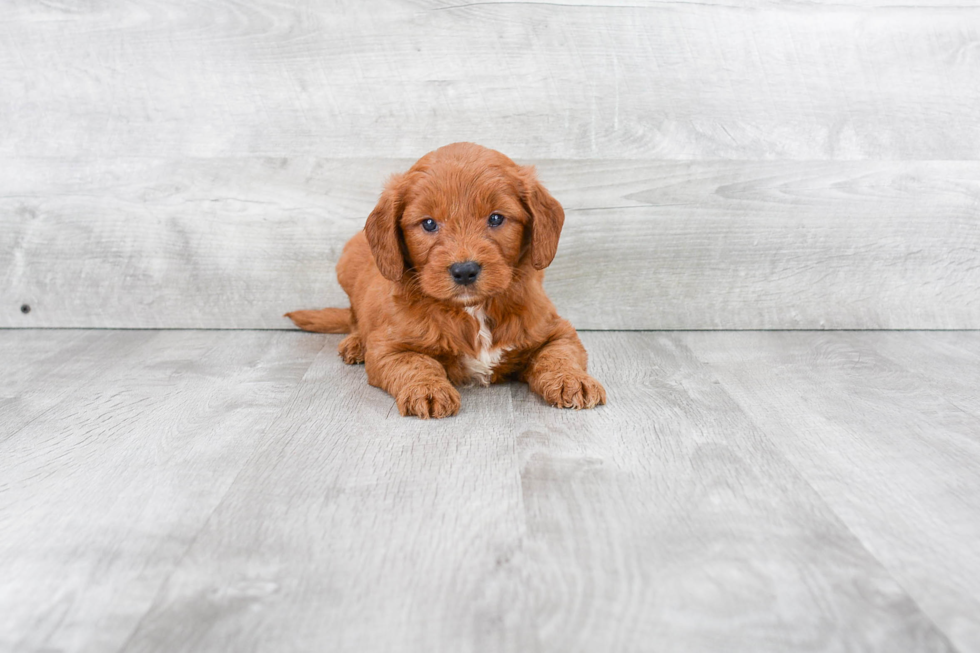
(724, 164)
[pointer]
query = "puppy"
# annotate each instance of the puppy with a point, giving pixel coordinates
(445, 285)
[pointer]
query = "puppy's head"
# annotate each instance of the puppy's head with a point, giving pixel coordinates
(463, 219)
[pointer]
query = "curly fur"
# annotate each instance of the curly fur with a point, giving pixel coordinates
(418, 332)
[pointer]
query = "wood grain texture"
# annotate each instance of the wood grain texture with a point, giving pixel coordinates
(638, 80)
(740, 165)
(355, 529)
(102, 491)
(206, 499)
(44, 370)
(234, 243)
(886, 427)
(647, 524)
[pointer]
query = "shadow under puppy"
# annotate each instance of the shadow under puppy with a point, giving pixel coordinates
(445, 285)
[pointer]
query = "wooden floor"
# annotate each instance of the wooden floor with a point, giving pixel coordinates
(246, 491)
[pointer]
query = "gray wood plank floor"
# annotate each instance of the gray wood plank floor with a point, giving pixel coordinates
(754, 491)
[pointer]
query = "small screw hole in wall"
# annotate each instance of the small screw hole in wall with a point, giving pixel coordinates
(25, 308)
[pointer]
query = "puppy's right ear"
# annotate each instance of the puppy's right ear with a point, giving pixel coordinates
(383, 231)
(547, 218)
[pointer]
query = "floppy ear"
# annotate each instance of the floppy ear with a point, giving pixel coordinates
(547, 218)
(384, 233)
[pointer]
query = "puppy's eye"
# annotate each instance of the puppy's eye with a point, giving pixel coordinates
(495, 220)
(429, 224)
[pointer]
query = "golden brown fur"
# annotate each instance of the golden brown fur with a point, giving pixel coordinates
(416, 329)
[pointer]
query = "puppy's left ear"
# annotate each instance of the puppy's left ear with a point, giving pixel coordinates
(383, 232)
(547, 218)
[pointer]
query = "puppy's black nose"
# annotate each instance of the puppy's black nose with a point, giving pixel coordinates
(465, 273)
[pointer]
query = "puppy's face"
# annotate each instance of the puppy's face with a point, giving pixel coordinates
(464, 218)
(463, 228)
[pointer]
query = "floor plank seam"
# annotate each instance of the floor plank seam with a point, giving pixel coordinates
(218, 504)
(840, 520)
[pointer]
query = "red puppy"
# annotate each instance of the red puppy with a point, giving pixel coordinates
(445, 285)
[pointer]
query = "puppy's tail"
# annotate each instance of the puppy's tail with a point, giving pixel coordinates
(325, 320)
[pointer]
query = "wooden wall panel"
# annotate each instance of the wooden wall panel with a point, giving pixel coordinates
(233, 243)
(725, 163)
(644, 80)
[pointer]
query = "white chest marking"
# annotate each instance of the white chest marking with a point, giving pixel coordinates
(487, 357)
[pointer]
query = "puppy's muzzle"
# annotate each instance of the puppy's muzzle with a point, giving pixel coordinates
(465, 273)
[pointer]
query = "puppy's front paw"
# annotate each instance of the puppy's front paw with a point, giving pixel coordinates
(571, 389)
(428, 400)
